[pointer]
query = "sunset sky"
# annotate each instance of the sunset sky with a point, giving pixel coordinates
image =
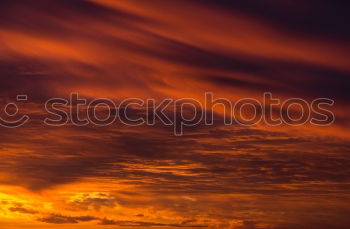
(213, 176)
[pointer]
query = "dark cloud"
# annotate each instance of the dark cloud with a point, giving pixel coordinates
(95, 202)
(291, 78)
(324, 20)
(61, 219)
(23, 210)
(148, 224)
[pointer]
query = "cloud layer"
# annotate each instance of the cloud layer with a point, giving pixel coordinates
(212, 176)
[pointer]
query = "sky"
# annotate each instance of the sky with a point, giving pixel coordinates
(144, 176)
